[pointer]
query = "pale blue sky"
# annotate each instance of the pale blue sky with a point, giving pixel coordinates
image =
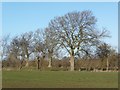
(21, 17)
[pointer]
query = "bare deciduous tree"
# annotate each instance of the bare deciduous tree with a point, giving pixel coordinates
(5, 46)
(26, 45)
(15, 47)
(104, 51)
(76, 31)
(39, 46)
(51, 45)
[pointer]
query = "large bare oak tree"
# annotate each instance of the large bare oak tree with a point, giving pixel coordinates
(76, 31)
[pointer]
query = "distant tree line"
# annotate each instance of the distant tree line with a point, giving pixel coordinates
(74, 34)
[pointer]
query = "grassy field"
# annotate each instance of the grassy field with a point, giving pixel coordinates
(59, 79)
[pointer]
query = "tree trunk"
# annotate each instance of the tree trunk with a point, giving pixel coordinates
(38, 64)
(27, 63)
(72, 63)
(107, 65)
(50, 62)
(21, 64)
(101, 65)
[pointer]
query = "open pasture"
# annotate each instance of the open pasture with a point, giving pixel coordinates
(59, 79)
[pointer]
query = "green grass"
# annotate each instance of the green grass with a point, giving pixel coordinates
(59, 79)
